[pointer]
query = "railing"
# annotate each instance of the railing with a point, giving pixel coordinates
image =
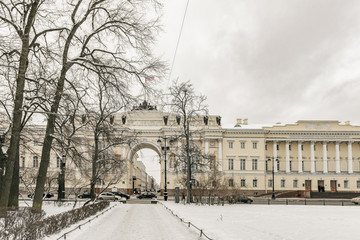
(189, 224)
(88, 221)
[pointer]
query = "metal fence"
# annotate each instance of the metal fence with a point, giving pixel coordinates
(189, 224)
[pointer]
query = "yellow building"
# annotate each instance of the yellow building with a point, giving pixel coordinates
(305, 156)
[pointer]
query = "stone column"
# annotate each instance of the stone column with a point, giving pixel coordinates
(300, 166)
(275, 156)
(312, 157)
(350, 159)
(287, 159)
(337, 157)
(325, 161)
(220, 154)
(206, 146)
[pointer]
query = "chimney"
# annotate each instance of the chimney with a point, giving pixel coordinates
(245, 121)
(239, 121)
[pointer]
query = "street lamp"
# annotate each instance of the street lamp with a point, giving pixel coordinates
(273, 182)
(165, 148)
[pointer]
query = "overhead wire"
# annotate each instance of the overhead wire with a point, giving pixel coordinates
(178, 41)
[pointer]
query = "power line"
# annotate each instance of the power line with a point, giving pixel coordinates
(177, 44)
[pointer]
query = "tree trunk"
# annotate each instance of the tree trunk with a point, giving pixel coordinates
(14, 192)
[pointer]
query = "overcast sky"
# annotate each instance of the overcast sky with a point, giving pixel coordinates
(268, 61)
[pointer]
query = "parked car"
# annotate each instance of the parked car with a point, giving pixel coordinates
(356, 200)
(48, 195)
(85, 195)
(146, 195)
(120, 194)
(108, 196)
(245, 199)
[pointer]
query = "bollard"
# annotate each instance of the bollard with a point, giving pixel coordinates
(65, 236)
(342, 202)
(189, 224)
(324, 202)
(287, 203)
(268, 201)
(305, 201)
(201, 233)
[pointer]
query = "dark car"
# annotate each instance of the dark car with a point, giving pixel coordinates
(48, 195)
(84, 195)
(120, 194)
(146, 195)
(245, 199)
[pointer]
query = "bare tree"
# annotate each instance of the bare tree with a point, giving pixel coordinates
(111, 39)
(189, 107)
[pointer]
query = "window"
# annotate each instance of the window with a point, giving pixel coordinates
(295, 183)
(22, 161)
(231, 164)
(231, 144)
(277, 147)
(242, 164)
(254, 183)
(254, 164)
(290, 166)
(242, 145)
(231, 182)
(267, 165)
(278, 164)
(270, 182)
(35, 161)
(58, 162)
(242, 182)
(282, 183)
(303, 165)
(358, 183)
(314, 147)
(327, 147)
(302, 147)
(290, 147)
(254, 145)
(265, 146)
(346, 183)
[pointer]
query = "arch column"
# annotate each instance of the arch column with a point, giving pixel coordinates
(220, 154)
(300, 159)
(350, 159)
(275, 156)
(287, 157)
(337, 157)
(325, 161)
(312, 157)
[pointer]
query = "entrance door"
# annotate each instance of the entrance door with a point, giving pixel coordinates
(321, 186)
(308, 185)
(333, 185)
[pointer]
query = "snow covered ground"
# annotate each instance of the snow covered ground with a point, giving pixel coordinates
(243, 221)
(240, 221)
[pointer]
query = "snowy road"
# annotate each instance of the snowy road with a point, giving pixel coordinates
(138, 222)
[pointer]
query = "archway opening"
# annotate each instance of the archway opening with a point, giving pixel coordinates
(151, 160)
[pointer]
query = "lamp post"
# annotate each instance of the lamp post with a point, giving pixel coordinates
(273, 176)
(165, 148)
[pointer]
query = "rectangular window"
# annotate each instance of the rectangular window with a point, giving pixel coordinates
(295, 183)
(242, 164)
(290, 166)
(58, 162)
(302, 147)
(254, 145)
(242, 182)
(315, 165)
(346, 183)
(265, 146)
(358, 184)
(231, 144)
(314, 147)
(254, 183)
(254, 164)
(267, 165)
(290, 147)
(277, 147)
(303, 165)
(35, 161)
(282, 183)
(242, 145)
(22, 161)
(231, 182)
(278, 164)
(270, 182)
(231, 164)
